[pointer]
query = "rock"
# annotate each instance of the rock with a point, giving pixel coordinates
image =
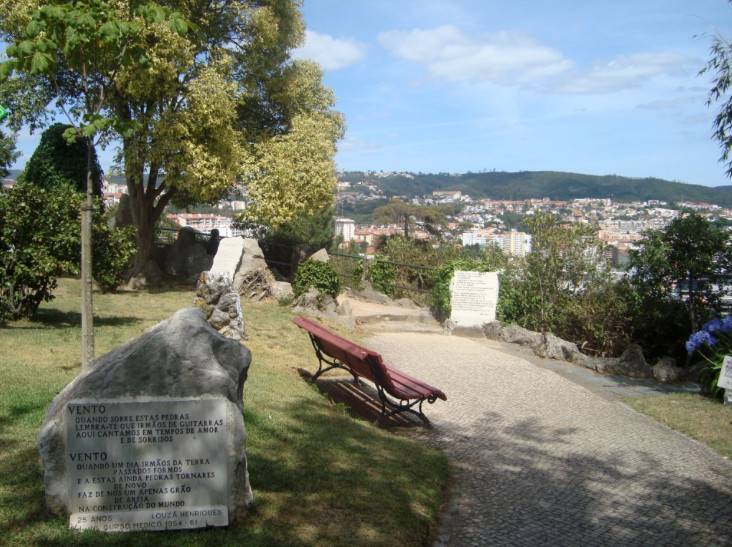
(253, 280)
(666, 371)
(631, 363)
(493, 330)
(406, 303)
(313, 299)
(221, 305)
(554, 347)
(513, 334)
(281, 290)
(196, 261)
(369, 294)
(227, 256)
(187, 258)
(180, 358)
(344, 308)
(320, 256)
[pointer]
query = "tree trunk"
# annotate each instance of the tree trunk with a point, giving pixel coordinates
(87, 308)
(147, 205)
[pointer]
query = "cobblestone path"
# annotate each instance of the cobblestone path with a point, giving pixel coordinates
(540, 460)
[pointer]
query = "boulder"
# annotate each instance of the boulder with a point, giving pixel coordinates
(513, 334)
(344, 308)
(221, 305)
(666, 371)
(281, 290)
(253, 280)
(187, 257)
(369, 294)
(313, 299)
(320, 256)
(406, 303)
(493, 330)
(181, 358)
(631, 363)
(554, 347)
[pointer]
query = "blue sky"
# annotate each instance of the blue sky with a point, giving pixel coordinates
(457, 85)
(592, 87)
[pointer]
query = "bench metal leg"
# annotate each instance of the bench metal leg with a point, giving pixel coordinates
(403, 406)
(331, 363)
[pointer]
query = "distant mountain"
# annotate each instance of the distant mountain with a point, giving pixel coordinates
(539, 184)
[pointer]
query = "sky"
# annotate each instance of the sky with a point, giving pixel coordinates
(598, 87)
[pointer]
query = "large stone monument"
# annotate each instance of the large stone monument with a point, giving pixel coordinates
(473, 298)
(152, 436)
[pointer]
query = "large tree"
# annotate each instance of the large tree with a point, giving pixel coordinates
(720, 67)
(212, 100)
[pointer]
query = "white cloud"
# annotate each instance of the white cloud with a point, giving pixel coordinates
(331, 53)
(515, 59)
(504, 58)
(628, 71)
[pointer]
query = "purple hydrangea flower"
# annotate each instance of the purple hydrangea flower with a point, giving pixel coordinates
(699, 339)
(712, 326)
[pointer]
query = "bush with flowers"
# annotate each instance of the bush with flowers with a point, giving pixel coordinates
(712, 342)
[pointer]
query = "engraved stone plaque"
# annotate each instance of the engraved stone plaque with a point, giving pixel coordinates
(473, 298)
(147, 465)
(725, 375)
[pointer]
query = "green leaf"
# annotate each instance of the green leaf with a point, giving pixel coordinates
(40, 63)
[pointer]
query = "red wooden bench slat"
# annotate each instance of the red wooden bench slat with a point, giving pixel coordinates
(360, 360)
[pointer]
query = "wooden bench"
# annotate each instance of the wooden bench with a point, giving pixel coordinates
(334, 351)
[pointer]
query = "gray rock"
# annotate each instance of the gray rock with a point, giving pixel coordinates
(666, 371)
(344, 308)
(554, 347)
(493, 330)
(320, 256)
(631, 363)
(406, 303)
(221, 305)
(281, 290)
(368, 294)
(181, 357)
(313, 299)
(253, 279)
(513, 334)
(187, 257)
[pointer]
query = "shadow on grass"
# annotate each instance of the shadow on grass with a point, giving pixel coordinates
(54, 318)
(361, 400)
(527, 482)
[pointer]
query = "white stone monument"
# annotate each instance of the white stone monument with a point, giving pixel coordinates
(473, 298)
(228, 257)
(725, 379)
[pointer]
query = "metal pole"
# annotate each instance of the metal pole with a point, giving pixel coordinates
(87, 308)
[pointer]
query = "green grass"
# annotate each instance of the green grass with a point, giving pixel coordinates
(319, 476)
(699, 417)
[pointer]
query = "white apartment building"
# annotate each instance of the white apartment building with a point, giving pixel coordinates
(346, 228)
(204, 222)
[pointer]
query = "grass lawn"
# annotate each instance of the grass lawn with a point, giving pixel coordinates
(699, 417)
(318, 475)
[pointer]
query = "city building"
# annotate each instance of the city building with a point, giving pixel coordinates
(205, 222)
(346, 228)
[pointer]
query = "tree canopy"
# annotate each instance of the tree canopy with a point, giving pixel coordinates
(202, 95)
(55, 161)
(721, 70)
(8, 154)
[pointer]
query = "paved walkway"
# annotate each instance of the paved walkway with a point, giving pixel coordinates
(542, 460)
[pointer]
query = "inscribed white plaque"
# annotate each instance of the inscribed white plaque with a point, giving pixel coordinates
(227, 258)
(725, 375)
(473, 298)
(144, 466)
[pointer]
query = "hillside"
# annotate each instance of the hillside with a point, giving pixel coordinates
(540, 184)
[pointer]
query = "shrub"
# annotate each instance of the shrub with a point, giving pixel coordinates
(317, 275)
(382, 275)
(39, 241)
(113, 251)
